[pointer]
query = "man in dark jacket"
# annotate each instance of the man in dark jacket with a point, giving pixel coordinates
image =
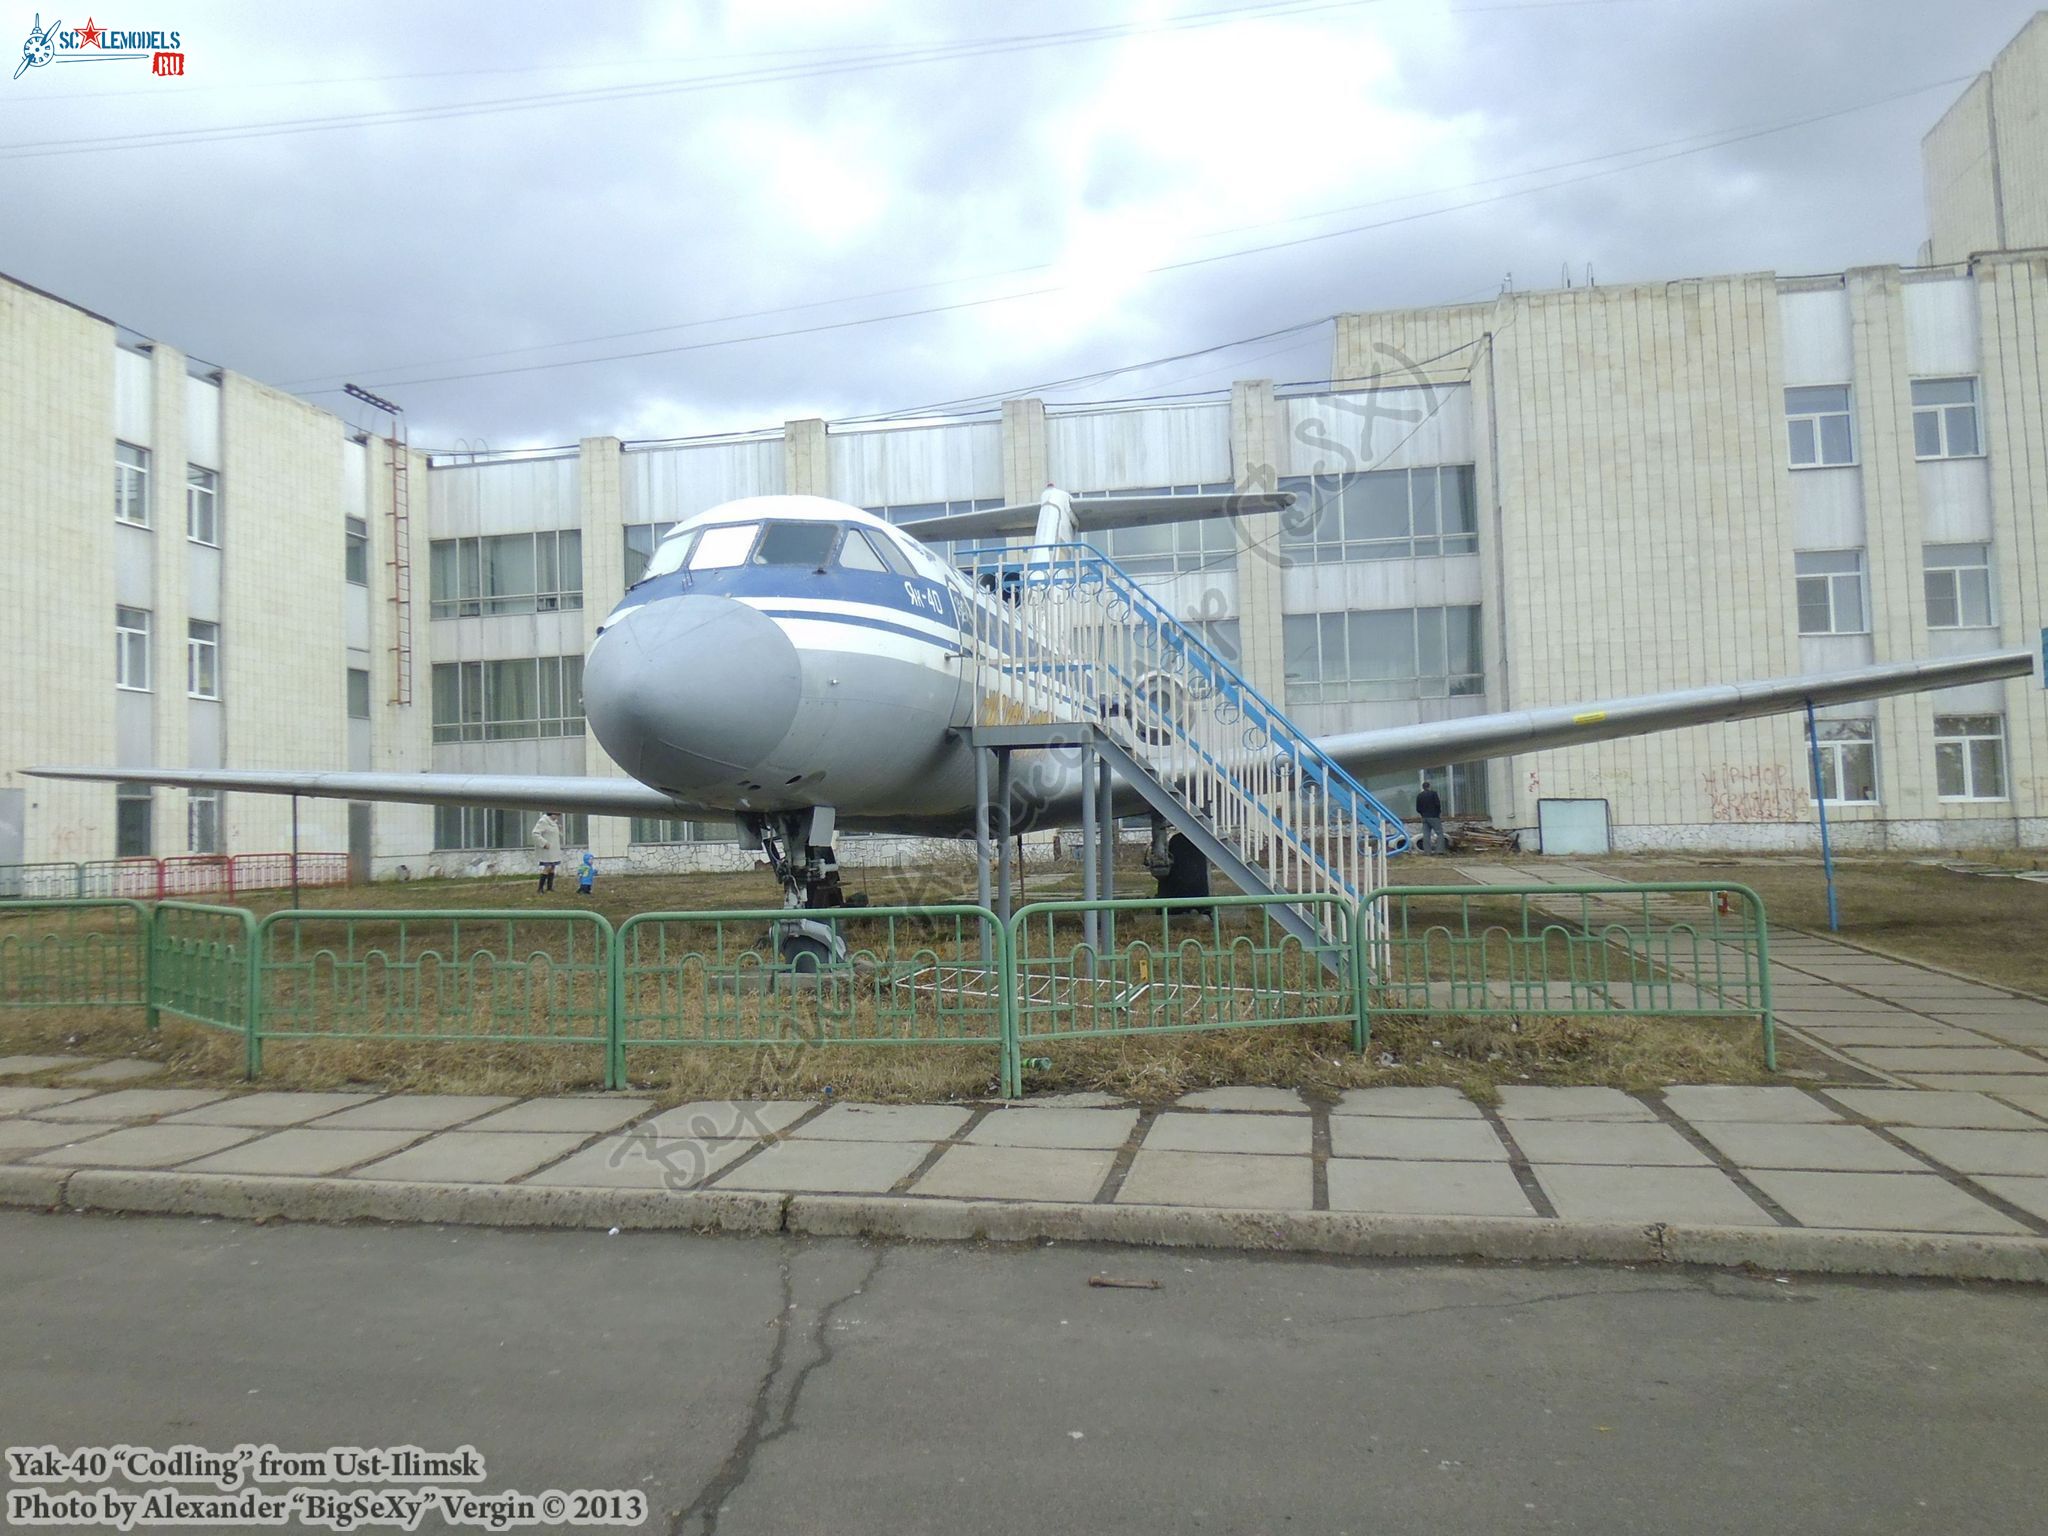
(1429, 806)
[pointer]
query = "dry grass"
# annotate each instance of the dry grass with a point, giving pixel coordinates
(1994, 929)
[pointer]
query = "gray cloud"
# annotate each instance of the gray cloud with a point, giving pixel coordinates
(352, 253)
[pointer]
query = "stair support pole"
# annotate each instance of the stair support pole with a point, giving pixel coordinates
(1003, 848)
(1105, 806)
(1091, 844)
(981, 843)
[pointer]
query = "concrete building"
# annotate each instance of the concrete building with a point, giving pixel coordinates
(1548, 497)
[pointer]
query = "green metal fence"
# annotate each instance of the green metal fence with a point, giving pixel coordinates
(1179, 965)
(202, 967)
(910, 976)
(507, 977)
(74, 954)
(1690, 948)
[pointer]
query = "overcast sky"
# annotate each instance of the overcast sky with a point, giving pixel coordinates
(843, 171)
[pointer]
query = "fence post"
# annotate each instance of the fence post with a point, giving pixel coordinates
(253, 1019)
(1763, 972)
(1361, 1024)
(78, 881)
(150, 1017)
(615, 1013)
(1012, 1064)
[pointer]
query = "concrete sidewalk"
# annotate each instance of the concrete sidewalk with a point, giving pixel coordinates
(1865, 1180)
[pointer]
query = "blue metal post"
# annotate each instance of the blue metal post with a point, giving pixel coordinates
(1820, 799)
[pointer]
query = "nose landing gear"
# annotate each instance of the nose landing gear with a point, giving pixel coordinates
(798, 846)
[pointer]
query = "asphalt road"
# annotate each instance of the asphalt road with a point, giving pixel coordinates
(795, 1386)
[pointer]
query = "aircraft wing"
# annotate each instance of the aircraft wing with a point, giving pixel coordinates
(518, 791)
(1569, 725)
(1099, 512)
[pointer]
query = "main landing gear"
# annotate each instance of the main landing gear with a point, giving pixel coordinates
(798, 845)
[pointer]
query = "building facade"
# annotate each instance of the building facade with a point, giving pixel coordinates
(1546, 498)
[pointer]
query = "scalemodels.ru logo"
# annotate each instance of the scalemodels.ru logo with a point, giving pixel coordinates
(95, 44)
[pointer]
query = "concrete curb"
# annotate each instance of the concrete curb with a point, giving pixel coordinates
(1905, 1255)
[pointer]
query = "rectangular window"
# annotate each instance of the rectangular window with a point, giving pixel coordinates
(1848, 761)
(131, 649)
(1969, 757)
(131, 485)
(202, 660)
(133, 835)
(1831, 592)
(513, 700)
(506, 573)
(909, 514)
(1817, 426)
(640, 541)
(1462, 786)
(1382, 654)
(356, 558)
(1382, 514)
(669, 829)
(358, 693)
(483, 828)
(1958, 586)
(202, 505)
(1945, 419)
(1155, 550)
(202, 821)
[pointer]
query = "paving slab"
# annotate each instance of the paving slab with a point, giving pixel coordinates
(886, 1122)
(1981, 1151)
(588, 1115)
(1920, 1106)
(1228, 1180)
(473, 1157)
(2004, 1084)
(1530, 1103)
(417, 1111)
(1783, 1106)
(1889, 1202)
(1938, 1059)
(725, 1119)
(261, 1109)
(1080, 1128)
(829, 1167)
(144, 1146)
(21, 1101)
(2029, 1096)
(124, 1070)
(636, 1160)
(1595, 1141)
(1425, 1188)
(21, 1137)
(26, 1066)
(1892, 1034)
(1182, 1131)
(1425, 1103)
(1405, 1136)
(2030, 1195)
(296, 1150)
(1581, 1192)
(1085, 1100)
(1843, 1148)
(1272, 1101)
(1070, 1175)
(130, 1104)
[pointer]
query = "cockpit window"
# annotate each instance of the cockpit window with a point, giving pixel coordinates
(808, 544)
(857, 554)
(723, 546)
(669, 555)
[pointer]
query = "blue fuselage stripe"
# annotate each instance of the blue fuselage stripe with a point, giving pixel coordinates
(860, 621)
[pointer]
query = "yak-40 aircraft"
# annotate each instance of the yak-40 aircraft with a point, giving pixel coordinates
(803, 666)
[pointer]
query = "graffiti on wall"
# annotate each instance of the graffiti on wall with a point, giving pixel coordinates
(1756, 792)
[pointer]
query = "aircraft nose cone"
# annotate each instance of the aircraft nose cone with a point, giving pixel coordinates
(691, 692)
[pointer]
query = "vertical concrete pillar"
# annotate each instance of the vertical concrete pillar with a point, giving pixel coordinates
(1257, 455)
(1026, 467)
(601, 512)
(172, 605)
(806, 458)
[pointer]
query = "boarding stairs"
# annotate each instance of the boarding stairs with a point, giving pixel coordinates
(1066, 648)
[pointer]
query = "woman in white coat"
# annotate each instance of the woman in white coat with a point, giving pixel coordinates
(548, 833)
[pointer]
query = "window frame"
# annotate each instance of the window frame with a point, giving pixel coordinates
(465, 563)
(1422, 683)
(555, 687)
(208, 492)
(1335, 498)
(1966, 740)
(1812, 419)
(202, 660)
(355, 558)
(1833, 753)
(203, 806)
(131, 485)
(1931, 570)
(500, 829)
(349, 693)
(1940, 413)
(130, 639)
(1861, 576)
